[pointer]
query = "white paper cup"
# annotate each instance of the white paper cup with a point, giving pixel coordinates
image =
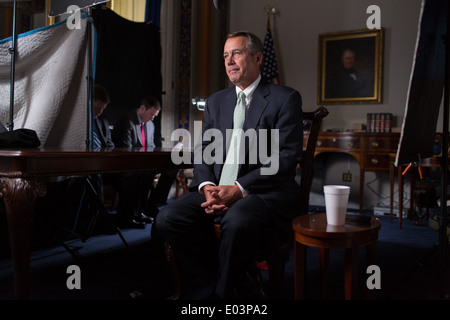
(336, 201)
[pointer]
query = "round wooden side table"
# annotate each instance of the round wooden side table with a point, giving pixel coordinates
(312, 230)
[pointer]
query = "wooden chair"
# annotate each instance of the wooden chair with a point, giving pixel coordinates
(279, 253)
(182, 181)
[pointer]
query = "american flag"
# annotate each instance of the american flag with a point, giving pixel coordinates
(269, 68)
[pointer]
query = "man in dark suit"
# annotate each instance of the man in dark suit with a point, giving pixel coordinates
(102, 132)
(136, 130)
(80, 187)
(257, 203)
(128, 130)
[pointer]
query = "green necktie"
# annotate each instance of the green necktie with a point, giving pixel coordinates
(231, 165)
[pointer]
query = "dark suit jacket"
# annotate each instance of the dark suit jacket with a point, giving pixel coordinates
(127, 132)
(101, 127)
(272, 107)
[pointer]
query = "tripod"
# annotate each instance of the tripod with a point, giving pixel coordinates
(91, 184)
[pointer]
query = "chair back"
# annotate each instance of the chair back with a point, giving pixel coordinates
(313, 120)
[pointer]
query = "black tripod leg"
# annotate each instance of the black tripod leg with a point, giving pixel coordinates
(101, 209)
(121, 237)
(73, 252)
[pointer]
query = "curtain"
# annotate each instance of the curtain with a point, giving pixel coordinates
(128, 63)
(153, 12)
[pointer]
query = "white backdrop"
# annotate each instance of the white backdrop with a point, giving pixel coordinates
(50, 91)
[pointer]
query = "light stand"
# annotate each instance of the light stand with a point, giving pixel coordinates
(430, 80)
(442, 245)
(90, 95)
(12, 50)
(443, 240)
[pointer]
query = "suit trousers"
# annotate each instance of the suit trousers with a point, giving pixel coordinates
(202, 257)
(133, 189)
(158, 196)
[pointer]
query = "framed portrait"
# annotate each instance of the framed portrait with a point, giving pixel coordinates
(351, 67)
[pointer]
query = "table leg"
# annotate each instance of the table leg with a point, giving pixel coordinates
(324, 257)
(351, 272)
(412, 187)
(392, 176)
(20, 197)
(400, 195)
(361, 190)
(299, 270)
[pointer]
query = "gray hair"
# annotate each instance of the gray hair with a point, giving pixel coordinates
(254, 44)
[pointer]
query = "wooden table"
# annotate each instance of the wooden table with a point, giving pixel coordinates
(370, 149)
(23, 178)
(312, 230)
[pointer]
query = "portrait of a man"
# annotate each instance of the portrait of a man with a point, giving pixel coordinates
(349, 82)
(350, 68)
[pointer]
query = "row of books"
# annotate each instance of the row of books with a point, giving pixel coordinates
(379, 122)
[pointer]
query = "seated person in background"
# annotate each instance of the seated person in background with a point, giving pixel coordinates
(82, 196)
(101, 139)
(102, 133)
(136, 130)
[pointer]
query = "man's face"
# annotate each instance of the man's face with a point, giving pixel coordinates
(149, 114)
(99, 106)
(241, 66)
(348, 59)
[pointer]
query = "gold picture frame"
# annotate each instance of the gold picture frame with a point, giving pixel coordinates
(351, 67)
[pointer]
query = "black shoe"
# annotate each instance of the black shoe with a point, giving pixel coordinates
(144, 218)
(133, 224)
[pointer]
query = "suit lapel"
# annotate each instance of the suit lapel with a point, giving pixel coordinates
(227, 110)
(257, 106)
(99, 130)
(137, 128)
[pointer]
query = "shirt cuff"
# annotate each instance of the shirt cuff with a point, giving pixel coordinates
(244, 192)
(204, 184)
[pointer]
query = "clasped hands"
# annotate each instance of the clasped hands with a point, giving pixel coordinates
(220, 198)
